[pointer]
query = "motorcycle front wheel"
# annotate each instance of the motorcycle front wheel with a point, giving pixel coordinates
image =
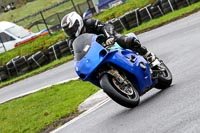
(124, 93)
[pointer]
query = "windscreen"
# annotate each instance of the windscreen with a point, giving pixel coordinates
(81, 45)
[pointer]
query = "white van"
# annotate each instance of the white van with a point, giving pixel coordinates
(12, 35)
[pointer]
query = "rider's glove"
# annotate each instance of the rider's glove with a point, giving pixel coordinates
(136, 42)
(110, 41)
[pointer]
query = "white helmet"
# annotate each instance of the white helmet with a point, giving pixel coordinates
(72, 24)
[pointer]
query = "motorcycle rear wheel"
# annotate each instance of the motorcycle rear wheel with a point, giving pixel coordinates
(164, 78)
(127, 97)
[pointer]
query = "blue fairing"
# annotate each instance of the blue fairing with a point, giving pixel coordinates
(97, 55)
(90, 61)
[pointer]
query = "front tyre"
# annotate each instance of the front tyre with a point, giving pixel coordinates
(124, 93)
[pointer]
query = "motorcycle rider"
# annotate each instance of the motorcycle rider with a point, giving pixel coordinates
(74, 25)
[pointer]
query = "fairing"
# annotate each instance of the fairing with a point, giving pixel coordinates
(97, 55)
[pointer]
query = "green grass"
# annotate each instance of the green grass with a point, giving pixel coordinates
(29, 9)
(33, 113)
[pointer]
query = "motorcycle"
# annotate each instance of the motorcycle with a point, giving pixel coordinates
(123, 74)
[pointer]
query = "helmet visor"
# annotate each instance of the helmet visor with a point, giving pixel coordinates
(72, 30)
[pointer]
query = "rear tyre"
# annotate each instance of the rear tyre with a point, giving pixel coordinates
(124, 93)
(164, 78)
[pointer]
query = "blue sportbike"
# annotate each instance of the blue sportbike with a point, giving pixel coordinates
(123, 74)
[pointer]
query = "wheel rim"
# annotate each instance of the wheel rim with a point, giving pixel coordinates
(125, 88)
(164, 74)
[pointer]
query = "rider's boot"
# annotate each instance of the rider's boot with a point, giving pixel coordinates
(152, 60)
(134, 44)
(150, 57)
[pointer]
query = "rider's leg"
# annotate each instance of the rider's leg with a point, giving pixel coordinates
(134, 44)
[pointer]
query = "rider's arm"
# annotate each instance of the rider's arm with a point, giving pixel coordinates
(100, 27)
(70, 42)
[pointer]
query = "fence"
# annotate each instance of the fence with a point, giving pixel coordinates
(22, 64)
(45, 20)
(136, 17)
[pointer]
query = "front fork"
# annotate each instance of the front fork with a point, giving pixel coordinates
(116, 74)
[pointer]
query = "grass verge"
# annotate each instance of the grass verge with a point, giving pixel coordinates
(35, 112)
